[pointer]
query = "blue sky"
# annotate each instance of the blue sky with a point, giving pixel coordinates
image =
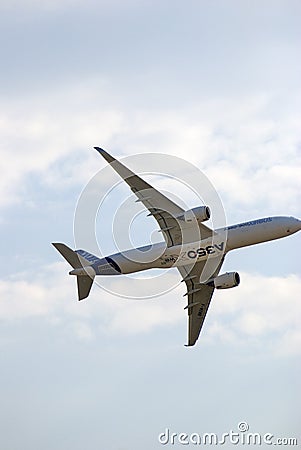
(215, 83)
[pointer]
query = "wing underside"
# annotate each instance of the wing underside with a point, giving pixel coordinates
(199, 298)
(165, 211)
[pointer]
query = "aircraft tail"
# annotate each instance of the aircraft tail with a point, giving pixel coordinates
(84, 281)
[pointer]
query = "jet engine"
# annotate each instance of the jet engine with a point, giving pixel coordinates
(226, 280)
(200, 213)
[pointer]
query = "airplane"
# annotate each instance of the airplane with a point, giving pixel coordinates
(197, 251)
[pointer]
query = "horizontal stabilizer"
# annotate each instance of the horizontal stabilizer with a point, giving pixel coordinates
(84, 284)
(77, 261)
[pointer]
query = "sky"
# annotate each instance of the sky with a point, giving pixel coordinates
(214, 83)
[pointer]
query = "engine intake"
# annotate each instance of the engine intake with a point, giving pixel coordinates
(200, 213)
(226, 280)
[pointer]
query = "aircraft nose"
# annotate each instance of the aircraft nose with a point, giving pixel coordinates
(295, 225)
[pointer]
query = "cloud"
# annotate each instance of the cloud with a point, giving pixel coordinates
(246, 163)
(263, 310)
(50, 142)
(51, 295)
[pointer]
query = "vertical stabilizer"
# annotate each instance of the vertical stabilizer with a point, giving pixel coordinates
(74, 259)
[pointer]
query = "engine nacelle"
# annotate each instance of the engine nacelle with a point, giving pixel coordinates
(200, 213)
(226, 280)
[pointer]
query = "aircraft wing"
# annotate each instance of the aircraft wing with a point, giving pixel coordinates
(164, 210)
(199, 297)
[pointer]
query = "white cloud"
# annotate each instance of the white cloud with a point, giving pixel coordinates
(264, 310)
(52, 295)
(37, 141)
(27, 295)
(252, 160)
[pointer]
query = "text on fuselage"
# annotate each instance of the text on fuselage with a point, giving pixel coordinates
(204, 251)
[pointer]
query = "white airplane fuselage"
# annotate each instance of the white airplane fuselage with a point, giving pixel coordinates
(224, 240)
